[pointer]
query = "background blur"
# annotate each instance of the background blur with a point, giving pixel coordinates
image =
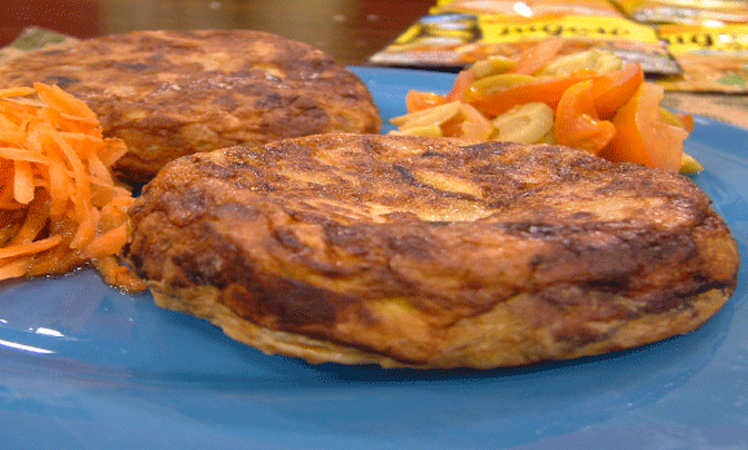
(349, 30)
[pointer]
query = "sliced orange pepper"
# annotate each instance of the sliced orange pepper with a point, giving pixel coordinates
(417, 100)
(687, 121)
(608, 90)
(546, 90)
(462, 83)
(613, 90)
(641, 134)
(537, 56)
(576, 122)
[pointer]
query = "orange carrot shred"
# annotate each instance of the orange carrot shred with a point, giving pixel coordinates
(23, 181)
(108, 243)
(65, 103)
(18, 91)
(86, 229)
(14, 269)
(11, 251)
(57, 191)
(37, 214)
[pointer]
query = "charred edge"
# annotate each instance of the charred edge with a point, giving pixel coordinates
(304, 310)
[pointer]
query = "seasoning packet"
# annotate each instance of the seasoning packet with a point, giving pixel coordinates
(529, 8)
(458, 39)
(686, 12)
(713, 59)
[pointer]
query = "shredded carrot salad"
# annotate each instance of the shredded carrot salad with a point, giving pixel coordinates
(60, 207)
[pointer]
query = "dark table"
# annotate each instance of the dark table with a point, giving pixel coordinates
(349, 30)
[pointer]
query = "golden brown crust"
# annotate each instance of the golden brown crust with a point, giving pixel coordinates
(509, 335)
(431, 252)
(171, 93)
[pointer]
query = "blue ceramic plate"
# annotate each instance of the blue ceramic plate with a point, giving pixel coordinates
(83, 366)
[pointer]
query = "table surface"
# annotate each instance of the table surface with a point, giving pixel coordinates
(349, 30)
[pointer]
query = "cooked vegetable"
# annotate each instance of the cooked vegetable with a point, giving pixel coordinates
(577, 123)
(599, 61)
(612, 90)
(448, 119)
(482, 87)
(589, 100)
(689, 165)
(472, 124)
(59, 204)
(416, 100)
(528, 123)
(537, 56)
(642, 136)
(546, 90)
(435, 115)
(491, 66)
(462, 83)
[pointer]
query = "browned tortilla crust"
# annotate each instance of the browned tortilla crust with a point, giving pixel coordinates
(171, 93)
(431, 253)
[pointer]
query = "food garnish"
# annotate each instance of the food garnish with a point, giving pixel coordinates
(59, 204)
(589, 100)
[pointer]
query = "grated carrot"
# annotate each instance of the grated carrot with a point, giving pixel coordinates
(18, 91)
(23, 181)
(60, 207)
(14, 269)
(29, 248)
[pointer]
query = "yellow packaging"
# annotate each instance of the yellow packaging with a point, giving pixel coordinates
(688, 12)
(498, 29)
(713, 59)
(459, 39)
(529, 8)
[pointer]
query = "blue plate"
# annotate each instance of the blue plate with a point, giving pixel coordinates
(83, 366)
